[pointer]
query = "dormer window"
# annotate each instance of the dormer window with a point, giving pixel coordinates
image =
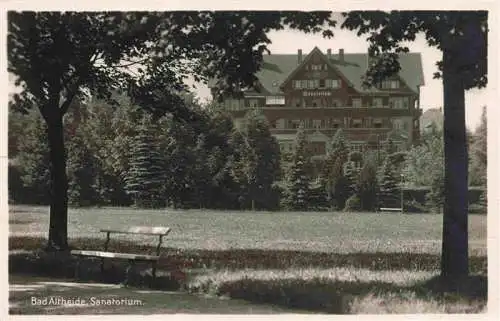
(390, 84)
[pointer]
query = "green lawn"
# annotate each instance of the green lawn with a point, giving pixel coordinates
(315, 261)
(217, 230)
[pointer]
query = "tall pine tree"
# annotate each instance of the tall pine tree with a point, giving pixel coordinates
(332, 173)
(145, 178)
(389, 185)
(298, 180)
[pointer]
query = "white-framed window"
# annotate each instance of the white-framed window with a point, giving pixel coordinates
(275, 100)
(332, 83)
(310, 84)
(356, 102)
(304, 83)
(357, 147)
(316, 67)
(390, 84)
(377, 102)
(297, 84)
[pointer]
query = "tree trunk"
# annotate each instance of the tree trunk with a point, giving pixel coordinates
(454, 259)
(58, 228)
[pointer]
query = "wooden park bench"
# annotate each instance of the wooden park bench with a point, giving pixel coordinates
(130, 257)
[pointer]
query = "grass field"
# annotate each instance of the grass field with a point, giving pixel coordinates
(318, 262)
(215, 230)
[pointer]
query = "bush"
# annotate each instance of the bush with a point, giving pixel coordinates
(353, 203)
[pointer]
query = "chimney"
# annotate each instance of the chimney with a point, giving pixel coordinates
(299, 56)
(341, 55)
(329, 53)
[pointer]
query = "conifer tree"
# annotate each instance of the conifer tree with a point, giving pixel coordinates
(367, 185)
(298, 182)
(145, 178)
(388, 182)
(332, 172)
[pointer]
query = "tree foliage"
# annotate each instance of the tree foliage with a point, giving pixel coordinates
(59, 56)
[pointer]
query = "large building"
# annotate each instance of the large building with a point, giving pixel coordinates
(323, 92)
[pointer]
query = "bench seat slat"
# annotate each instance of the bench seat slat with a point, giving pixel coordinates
(390, 209)
(146, 230)
(115, 255)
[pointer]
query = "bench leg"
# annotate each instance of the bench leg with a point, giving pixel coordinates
(77, 268)
(153, 274)
(102, 266)
(130, 269)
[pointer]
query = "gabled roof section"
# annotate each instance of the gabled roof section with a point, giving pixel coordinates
(277, 68)
(306, 59)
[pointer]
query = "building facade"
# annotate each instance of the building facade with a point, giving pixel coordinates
(322, 92)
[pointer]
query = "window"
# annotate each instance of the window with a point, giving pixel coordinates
(310, 84)
(253, 103)
(357, 123)
(357, 147)
(390, 84)
(316, 123)
(295, 123)
(377, 102)
(316, 67)
(280, 123)
(297, 84)
(296, 102)
(356, 102)
(316, 83)
(332, 83)
(377, 123)
(304, 83)
(322, 83)
(399, 102)
(275, 100)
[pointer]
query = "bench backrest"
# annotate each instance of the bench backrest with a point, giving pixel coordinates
(145, 230)
(159, 231)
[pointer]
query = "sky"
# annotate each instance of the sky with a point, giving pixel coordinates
(289, 41)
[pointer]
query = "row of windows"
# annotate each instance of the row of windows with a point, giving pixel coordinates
(332, 123)
(316, 83)
(317, 67)
(394, 102)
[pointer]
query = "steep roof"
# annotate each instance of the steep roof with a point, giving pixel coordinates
(277, 68)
